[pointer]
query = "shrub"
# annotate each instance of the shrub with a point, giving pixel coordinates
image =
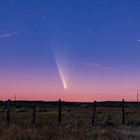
(68, 110)
(19, 110)
(108, 121)
(85, 106)
(38, 109)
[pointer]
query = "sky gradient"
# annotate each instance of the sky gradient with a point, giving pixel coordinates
(72, 50)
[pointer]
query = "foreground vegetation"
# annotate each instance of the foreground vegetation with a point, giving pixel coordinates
(75, 125)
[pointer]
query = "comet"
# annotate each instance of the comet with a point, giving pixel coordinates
(59, 59)
(62, 76)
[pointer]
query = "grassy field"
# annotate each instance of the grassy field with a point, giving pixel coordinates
(75, 125)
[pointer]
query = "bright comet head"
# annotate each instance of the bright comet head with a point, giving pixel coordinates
(65, 87)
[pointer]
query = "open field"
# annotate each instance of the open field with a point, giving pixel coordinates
(75, 125)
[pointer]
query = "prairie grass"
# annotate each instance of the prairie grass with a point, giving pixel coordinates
(76, 125)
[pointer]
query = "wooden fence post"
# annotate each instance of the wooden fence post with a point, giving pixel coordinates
(59, 111)
(123, 113)
(34, 113)
(8, 112)
(93, 114)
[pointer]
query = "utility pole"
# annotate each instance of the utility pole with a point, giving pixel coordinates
(15, 97)
(137, 96)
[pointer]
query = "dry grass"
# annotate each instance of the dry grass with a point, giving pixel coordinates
(76, 125)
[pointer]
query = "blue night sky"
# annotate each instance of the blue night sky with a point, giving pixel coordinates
(91, 47)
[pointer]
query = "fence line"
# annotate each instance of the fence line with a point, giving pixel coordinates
(8, 112)
(123, 113)
(34, 113)
(60, 113)
(94, 113)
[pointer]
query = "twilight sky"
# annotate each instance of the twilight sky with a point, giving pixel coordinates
(91, 48)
